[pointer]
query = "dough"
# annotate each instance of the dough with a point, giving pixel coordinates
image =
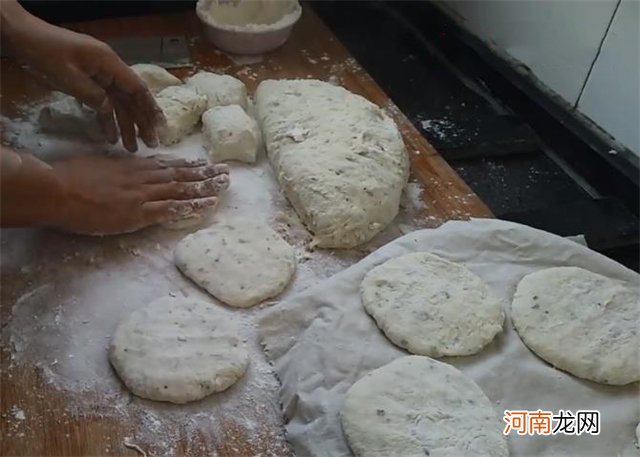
(220, 90)
(581, 322)
(417, 407)
(431, 306)
(339, 159)
(239, 261)
(155, 77)
(178, 350)
(230, 134)
(67, 116)
(182, 107)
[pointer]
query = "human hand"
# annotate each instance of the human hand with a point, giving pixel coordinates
(107, 196)
(87, 69)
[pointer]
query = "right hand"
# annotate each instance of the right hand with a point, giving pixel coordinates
(103, 196)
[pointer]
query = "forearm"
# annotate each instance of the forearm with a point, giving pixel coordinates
(14, 19)
(30, 192)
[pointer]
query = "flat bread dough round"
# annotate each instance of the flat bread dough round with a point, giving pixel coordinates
(431, 306)
(416, 407)
(581, 322)
(178, 350)
(239, 261)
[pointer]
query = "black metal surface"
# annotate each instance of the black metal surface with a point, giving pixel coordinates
(57, 11)
(502, 143)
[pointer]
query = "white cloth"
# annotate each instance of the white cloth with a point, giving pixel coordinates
(321, 341)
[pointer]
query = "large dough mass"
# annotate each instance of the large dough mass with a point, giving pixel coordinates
(178, 350)
(339, 159)
(417, 407)
(581, 322)
(431, 306)
(239, 261)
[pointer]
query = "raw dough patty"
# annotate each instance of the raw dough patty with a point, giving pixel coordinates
(581, 322)
(416, 407)
(431, 306)
(178, 350)
(239, 261)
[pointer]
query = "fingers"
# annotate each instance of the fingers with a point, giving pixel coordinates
(108, 126)
(91, 94)
(185, 174)
(187, 190)
(126, 124)
(145, 112)
(172, 210)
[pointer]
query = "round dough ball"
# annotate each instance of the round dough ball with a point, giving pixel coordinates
(220, 90)
(431, 306)
(415, 407)
(239, 261)
(155, 77)
(178, 350)
(581, 322)
(182, 108)
(230, 134)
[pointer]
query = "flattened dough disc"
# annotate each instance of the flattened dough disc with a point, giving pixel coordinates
(416, 407)
(581, 322)
(431, 306)
(178, 350)
(239, 261)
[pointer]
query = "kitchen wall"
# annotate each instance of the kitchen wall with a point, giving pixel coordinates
(584, 50)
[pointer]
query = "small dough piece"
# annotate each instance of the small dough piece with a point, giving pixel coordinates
(417, 407)
(155, 77)
(182, 108)
(178, 350)
(220, 90)
(67, 116)
(230, 134)
(581, 322)
(239, 261)
(431, 306)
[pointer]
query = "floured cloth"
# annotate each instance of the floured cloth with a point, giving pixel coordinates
(322, 340)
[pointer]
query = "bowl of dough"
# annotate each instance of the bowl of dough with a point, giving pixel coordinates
(248, 26)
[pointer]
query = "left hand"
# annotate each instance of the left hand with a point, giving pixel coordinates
(89, 70)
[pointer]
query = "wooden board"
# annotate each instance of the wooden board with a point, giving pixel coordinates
(49, 428)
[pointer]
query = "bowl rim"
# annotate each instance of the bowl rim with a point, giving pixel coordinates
(287, 21)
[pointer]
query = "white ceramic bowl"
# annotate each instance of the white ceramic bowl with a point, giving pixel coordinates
(246, 39)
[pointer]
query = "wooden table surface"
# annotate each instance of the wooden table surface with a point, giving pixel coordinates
(48, 428)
